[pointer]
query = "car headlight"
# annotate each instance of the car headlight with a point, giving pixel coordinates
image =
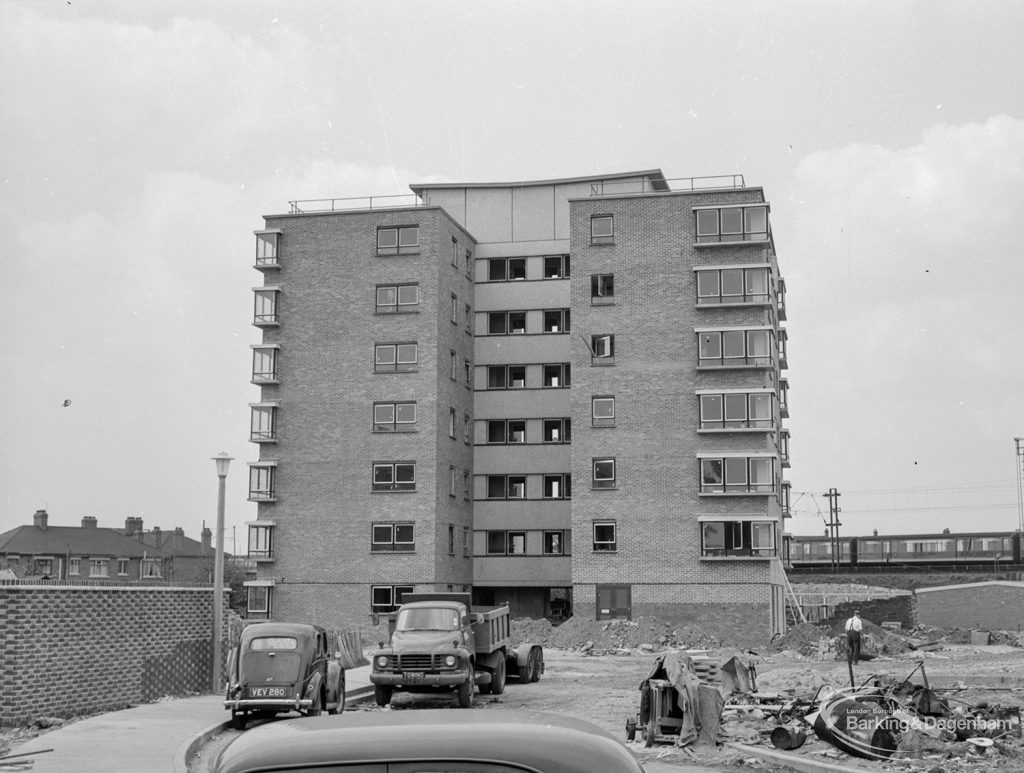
(449, 661)
(382, 661)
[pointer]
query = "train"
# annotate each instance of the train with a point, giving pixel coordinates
(978, 550)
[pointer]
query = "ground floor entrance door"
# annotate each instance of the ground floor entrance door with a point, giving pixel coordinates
(614, 601)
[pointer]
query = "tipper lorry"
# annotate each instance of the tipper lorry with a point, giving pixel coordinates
(439, 643)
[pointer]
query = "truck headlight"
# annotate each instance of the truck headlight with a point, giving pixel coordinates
(382, 661)
(449, 661)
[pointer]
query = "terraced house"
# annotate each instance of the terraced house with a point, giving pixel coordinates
(567, 395)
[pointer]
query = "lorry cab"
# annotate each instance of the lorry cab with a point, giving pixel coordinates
(281, 667)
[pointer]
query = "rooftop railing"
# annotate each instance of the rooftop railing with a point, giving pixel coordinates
(674, 185)
(303, 206)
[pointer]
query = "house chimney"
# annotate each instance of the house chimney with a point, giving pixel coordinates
(157, 536)
(133, 526)
(205, 536)
(179, 539)
(88, 522)
(876, 532)
(39, 519)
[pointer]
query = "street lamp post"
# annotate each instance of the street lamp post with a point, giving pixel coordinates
(223, 461)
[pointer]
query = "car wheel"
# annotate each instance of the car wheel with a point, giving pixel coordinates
(238, 720)
(498, 677)
(341, 698)
(466, 690)
(382, 694)
(317, 707)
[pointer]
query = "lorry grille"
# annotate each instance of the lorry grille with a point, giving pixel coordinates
(415, 662)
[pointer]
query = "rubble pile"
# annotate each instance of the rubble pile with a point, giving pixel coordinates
(607, 636)
(802, 638)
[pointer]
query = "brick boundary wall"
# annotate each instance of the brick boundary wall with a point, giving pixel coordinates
(987, 606)
(72, 650)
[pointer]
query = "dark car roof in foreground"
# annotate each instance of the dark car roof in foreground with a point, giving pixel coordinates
(532, 740)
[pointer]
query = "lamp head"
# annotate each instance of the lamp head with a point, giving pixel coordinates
(223, 461)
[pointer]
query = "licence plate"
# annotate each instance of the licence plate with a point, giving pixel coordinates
(266, 692)
(412, 676)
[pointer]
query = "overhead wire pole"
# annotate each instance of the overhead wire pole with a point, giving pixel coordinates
(833, 526)
(1020, 482)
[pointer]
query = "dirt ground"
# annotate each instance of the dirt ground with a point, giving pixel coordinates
(605, 690)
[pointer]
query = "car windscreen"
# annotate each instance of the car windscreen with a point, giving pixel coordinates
(265, 643)
(427, 619)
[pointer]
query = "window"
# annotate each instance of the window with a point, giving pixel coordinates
(99, 567)
(266, 248)
(737, 475)
(558, 486)
(506, 431)
(556, 267)
(732, 285)
(602, 347)
(602, 411)
(263, 424)
(737, 538)
(554, 543)
(732, 224)
(557, 430)
(122, 567)
(604, 473)
(467, 367)
(506, 269)
(506, 322)
(391, 358)
(264, 364)
(506, 487)
(44, 566)
(506, 376)
(452, 481)
(387, 598)
(265, 312)
(465, 484)
(602, 229)
(451, 539)
(469, 319)
(469, 264)
(502, 543)
(465, 541)
(394, 417)
(258, 599)
(398, 537)
(261, 482)
(736, 410)
(602, 289)
(467, 430)
(261, 540)
(557, 374)
(396, 240)
(455, 252)
(453, 367)
(604, 536)
(556, 321)
(392, 299)
(74, 566)
(451, 422)
(151, 568)
(734, 348)
(394, 476)
(455, 309)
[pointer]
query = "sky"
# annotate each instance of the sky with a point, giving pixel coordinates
(141, 144)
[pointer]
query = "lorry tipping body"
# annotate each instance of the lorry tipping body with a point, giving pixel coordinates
(437, 643)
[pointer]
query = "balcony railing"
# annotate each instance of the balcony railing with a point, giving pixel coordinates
(302, 206)
(675, 185)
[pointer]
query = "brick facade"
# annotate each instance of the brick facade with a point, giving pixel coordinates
(78, 650)
(997, 606)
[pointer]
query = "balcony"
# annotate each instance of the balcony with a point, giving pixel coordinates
(394, 201)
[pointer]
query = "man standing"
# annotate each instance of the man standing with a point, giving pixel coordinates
(854, 626)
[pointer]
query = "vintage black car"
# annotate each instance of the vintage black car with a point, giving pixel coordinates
(435, 740)
(281, 667)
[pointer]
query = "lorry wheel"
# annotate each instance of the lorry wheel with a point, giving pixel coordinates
(382, 694)
(341, 698)
(498, 677)
(524, 671)
(536, 664)
(466, 690)
(631, 729)
(238, 720)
